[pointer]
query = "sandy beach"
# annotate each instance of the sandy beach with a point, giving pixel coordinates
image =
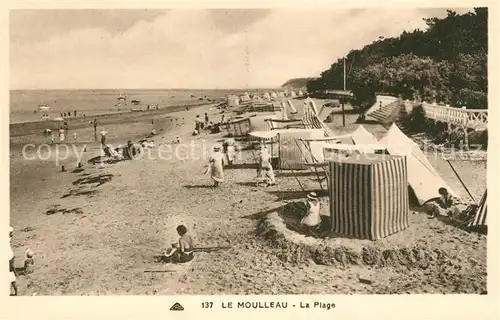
(95, 231)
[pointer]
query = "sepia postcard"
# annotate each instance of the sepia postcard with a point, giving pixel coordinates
(235, 160)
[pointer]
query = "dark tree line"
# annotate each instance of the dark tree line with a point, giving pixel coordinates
(447, 63)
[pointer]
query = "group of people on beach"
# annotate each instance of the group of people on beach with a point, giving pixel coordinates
(225, 155)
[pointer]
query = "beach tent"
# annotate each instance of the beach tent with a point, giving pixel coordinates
(327, 109)
(259, 123)
(266, 96)
(239, 127)
(300, 93)
(284, 115)
(281, 94)
(233, 101)
(479, 220)
(245, 97)
(292, 94)
(363, 136)
(369, 196)
(290, 153)
(422, 177)
(285, 124)
(274, 95)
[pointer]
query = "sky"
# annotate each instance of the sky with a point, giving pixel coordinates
(159, 49)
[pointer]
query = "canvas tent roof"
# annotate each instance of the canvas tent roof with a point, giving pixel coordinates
(422, 177)
(363, 136)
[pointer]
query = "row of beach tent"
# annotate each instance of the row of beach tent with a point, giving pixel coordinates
(234, 100)
(354, 164)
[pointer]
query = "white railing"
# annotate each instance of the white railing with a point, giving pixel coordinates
(470, 118)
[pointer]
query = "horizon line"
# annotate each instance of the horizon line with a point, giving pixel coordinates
(124, 89)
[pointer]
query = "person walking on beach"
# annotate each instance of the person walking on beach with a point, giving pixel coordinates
(265, 165)
(75, 112)
(197, 123)
(215, 168)
(12, 266)
(206, 119)
(75, 137)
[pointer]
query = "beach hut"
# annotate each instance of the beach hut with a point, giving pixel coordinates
(233, 101)
(290, 153)
(239, 127)
(259, 123)
(245, 97)
(369, 196)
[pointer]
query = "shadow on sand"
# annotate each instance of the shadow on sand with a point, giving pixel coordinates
(98, 180)
(78, 192)
(56, 209)
(199, 186)
(293, 195)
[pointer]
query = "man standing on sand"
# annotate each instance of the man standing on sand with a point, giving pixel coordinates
(206, 119)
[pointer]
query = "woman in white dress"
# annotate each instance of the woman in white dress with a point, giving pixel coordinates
(215, 167)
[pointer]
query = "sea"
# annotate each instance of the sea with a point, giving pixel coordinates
(24, 104)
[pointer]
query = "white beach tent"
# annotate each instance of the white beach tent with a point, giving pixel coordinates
(422, 177)
(363, 136)
(300, 94)
(233, 101)
(292, 94)
(284, 109)
(274, 95)
(245, 97)
(266, 96)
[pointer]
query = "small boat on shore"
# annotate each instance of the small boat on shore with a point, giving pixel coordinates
(136, 110)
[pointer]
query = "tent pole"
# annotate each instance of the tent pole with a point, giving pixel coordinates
(295, 176)
(460, 179)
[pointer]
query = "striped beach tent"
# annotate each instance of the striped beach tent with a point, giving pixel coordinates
(369, 196)
(479, 220)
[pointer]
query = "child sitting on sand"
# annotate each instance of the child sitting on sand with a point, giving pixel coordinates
(28, 262)
(183, 251)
